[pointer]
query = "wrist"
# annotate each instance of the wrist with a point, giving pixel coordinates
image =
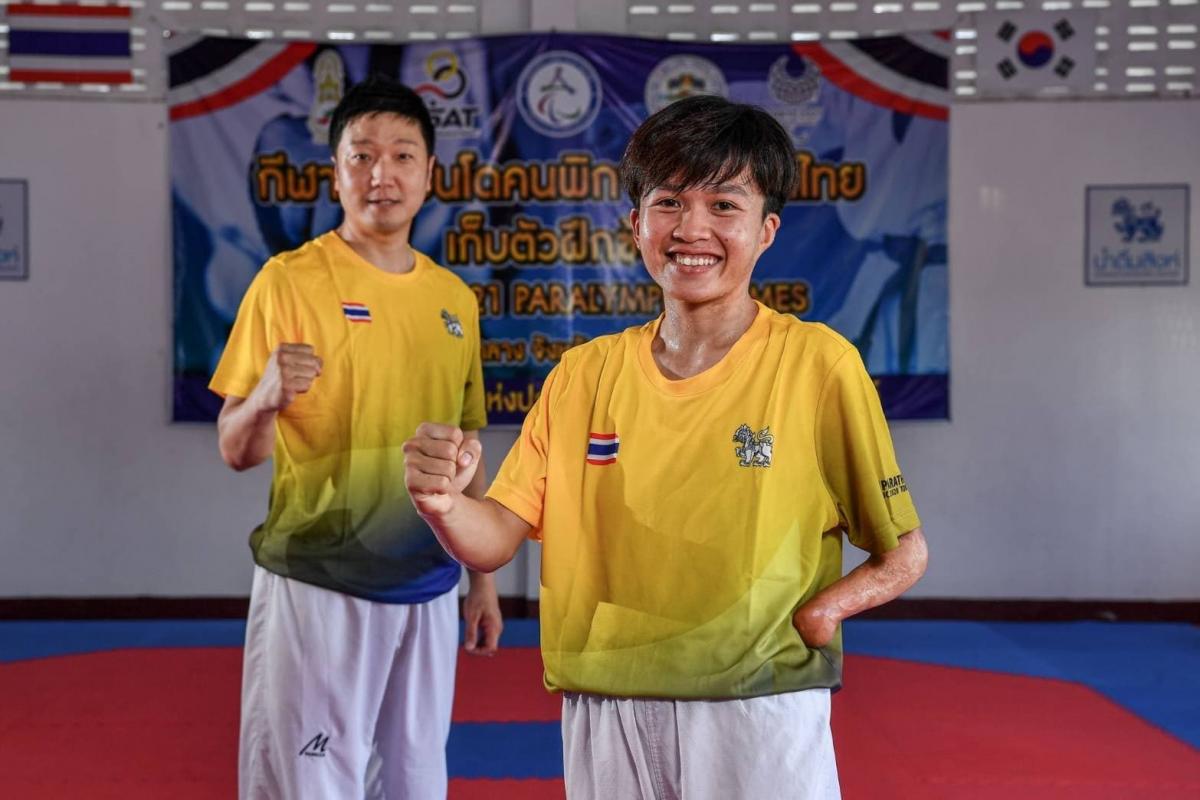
(481, 580)
(258, 406)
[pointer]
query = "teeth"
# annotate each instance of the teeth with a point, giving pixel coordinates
(695, 261)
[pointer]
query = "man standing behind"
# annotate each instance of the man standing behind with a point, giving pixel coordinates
(691, 481)
(339, 350)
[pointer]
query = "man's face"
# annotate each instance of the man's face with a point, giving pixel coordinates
(382, 173)
(701, 244)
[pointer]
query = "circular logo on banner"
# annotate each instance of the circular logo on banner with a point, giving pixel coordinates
(1035, 49)
(443, 86)
(559, 93)
(794, 86)
(677, 77)
(448, 79)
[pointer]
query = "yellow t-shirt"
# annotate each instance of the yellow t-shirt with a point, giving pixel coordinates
(397, 350)
(683, 522)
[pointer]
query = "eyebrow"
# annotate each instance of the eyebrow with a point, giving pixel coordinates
(398, 140)
(724, 188)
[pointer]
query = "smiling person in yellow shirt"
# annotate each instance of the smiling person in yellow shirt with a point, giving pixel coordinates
(691, 481)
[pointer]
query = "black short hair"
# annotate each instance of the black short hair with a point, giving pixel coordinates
(380, 94)
(705, 140)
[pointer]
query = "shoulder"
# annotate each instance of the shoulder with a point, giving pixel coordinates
(816, 335)
(291, 266)
(445, 280)
(595, 353)
(581, 367)
(814, 342)
(313, 254)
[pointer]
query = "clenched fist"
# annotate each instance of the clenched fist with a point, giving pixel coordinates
(291, 370)
(439, 463)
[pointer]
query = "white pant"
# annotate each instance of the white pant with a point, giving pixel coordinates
(776, 747)
(344, 698)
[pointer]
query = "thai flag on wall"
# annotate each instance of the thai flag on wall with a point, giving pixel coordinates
(602, 448)
(69, 44)
(356, 312)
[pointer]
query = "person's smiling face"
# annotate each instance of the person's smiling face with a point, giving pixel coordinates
(383, 173)
(700, 243)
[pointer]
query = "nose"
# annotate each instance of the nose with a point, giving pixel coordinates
(380, 171)
(692, 226)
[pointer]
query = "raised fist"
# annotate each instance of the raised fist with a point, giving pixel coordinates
(291, 370)
(439, 463)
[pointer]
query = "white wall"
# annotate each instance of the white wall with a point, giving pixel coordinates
(1068, 469)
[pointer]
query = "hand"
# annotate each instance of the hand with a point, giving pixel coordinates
(481, 613)
(439, 463)
(291, 370)
(816, 625)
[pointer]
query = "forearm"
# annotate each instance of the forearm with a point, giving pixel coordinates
(479, 534)
(876, 581)
(245, 433)
(443, 468)
(480, 581)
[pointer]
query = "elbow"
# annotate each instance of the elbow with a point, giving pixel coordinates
(918, 556)
(484, 563)
(235, 460)
(234, 463)
(483, 566)
(238, 466)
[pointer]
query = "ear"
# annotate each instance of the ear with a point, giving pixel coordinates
(633, 224)
(429, 174)
(770, 227)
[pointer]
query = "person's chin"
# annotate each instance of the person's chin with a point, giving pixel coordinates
(389, 222)
(691, 293)
(694, 280)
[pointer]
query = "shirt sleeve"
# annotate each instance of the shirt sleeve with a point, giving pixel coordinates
(253, 337)
(520, 485)
(858, 463)
(474, 414)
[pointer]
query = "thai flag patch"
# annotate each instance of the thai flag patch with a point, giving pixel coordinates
(69, 43)
(356, 312)
(602, 448)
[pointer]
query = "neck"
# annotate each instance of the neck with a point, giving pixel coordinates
(389, 252)
(693, 338)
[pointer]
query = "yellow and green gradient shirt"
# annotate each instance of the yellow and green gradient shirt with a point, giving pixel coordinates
(398, 350)
(683, 522)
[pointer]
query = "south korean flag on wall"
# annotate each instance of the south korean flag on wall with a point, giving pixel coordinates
(1024, 54)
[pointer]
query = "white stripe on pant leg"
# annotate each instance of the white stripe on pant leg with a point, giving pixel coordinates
(414, 718)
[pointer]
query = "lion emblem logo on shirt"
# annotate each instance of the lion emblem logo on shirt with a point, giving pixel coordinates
(453, 326)
(755, 449)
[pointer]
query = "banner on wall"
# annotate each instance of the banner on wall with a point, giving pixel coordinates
(526, 205)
